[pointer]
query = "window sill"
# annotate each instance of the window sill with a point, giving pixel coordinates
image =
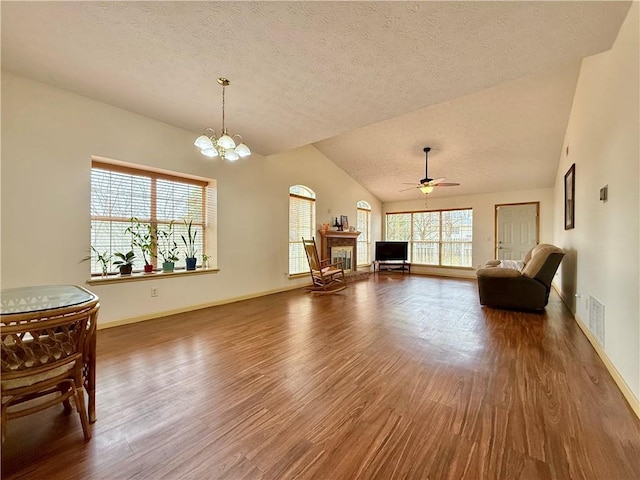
(298, 275)
(441, 266)
(137, 277)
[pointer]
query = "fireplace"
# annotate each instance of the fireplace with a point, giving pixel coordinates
(343, 255)
(332, 239)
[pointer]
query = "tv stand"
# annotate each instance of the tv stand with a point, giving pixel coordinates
(392, 265)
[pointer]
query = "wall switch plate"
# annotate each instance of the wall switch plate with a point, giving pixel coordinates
(154, 291)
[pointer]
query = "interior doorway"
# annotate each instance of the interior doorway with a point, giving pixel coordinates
(517, 229)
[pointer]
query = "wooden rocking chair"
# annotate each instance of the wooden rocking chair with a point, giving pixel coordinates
(326, 277)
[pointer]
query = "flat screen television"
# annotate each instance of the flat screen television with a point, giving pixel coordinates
(387, 251)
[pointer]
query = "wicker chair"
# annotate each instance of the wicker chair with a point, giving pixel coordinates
(45, 358)
(326, 277)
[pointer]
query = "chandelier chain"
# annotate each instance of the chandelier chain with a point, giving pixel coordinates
(223, 129)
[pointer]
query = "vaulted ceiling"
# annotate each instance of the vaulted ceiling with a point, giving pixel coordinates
(488, 85)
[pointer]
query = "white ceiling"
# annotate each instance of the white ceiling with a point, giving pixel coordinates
(488, 85)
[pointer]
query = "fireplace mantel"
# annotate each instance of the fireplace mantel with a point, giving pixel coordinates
(333, 238)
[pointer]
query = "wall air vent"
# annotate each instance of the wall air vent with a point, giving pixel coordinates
(596, 319)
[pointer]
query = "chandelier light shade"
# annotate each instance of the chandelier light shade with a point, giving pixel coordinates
(225, 146)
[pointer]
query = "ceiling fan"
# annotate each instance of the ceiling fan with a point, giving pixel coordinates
(427, 184)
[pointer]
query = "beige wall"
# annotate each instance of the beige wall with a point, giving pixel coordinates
(603, 139)
(483, 221)
(48, 138)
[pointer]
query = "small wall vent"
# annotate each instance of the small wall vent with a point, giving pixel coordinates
(596, 319)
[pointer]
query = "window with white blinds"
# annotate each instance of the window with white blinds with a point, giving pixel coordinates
(302, 221)
(120, 193)
(438, 237)
(364, 227)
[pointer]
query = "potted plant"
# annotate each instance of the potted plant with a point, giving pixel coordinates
(167, 247)
(190, 246)
(205, 260)
(104, 259)
(143, 238)
(125, 262)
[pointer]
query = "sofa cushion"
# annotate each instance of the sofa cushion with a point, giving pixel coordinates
(539, 255)
(492, 263)
(527, 256)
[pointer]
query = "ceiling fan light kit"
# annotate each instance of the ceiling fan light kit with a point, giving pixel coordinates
(427, 184)
(211, 145)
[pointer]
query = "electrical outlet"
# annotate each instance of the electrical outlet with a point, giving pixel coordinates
(154, 291)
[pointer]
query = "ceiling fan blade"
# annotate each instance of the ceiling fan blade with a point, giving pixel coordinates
(426, 184)
(407, 183)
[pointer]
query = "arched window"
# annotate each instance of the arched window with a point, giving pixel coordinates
(364, 226)
(302, 223)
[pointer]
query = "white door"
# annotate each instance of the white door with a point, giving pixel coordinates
(517, 228)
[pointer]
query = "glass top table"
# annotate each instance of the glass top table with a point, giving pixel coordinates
(36, 303)
(41, 298)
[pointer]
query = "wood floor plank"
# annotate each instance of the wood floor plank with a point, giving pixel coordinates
(397, 377)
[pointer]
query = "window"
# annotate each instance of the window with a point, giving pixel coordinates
(364, 226)
(302, 221)
(119, 193)
(440, 237)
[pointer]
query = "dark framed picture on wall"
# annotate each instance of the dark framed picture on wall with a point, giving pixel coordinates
(569, 197)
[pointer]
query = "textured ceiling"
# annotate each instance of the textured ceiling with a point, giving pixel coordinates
(487, 84)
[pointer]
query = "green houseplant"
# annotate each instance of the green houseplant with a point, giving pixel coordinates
(125, 262)
(142, 236)
(205, 260)
(167, 247)
(190, 245)
(103, 259)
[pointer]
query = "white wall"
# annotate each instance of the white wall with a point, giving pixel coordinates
(48, 138)
(603, 138)
(483, 221)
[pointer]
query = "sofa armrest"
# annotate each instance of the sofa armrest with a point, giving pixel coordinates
(492, 272)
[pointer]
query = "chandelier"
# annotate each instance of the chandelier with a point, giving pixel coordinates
(211, 145)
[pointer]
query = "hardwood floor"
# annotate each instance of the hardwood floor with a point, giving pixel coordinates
(396, 377)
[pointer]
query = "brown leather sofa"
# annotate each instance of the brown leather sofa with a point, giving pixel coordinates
(525, 289)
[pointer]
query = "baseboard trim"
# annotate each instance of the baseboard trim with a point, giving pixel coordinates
(445, 273)
(628, 394)
(166, 313)
(631, 399)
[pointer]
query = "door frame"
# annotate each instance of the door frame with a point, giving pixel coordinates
(495, 222)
